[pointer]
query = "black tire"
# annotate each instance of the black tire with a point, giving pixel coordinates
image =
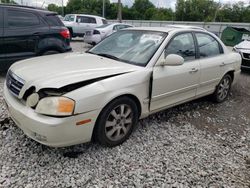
(111, 131)
(223, 89)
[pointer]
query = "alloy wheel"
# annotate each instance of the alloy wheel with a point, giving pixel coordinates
(223, 88)
(119, 122)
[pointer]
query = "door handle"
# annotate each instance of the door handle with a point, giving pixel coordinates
(193, 70)
(222, 64)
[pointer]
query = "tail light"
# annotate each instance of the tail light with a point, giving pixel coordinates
(65, 34)
(96, 32)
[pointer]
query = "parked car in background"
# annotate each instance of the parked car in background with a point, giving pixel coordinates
(99, 33)
(101, 94)
(243, 49)
(27, 32)
(78, 24)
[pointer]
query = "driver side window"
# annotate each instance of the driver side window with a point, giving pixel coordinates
(182, 45)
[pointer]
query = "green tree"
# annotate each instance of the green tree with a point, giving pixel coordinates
(8, 1)
(196, 10)
(140, 7)
(237, 12)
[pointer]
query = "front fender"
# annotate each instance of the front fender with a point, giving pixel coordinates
(97, 95)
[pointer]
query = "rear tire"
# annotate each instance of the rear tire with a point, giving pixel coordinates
(223, 89)
(116, 122)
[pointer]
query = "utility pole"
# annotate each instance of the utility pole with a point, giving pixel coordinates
(62, 9)
(103, 8)
(216, 12)
(119, 16)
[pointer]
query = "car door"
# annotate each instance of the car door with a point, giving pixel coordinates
(2, 54)
(176, 84)
(85, 23)
(21, 34)
(211, 62)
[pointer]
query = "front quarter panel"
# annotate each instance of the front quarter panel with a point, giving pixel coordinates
(97, 95)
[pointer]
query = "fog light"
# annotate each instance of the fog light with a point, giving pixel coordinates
(32, 100)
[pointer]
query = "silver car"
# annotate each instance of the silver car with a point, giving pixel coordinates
(99, 33)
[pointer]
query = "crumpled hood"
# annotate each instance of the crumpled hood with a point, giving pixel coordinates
(56, 71)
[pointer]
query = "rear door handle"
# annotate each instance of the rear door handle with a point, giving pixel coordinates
(222, 64)
(193, 70)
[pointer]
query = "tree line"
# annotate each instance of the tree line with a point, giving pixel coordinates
(186, 10)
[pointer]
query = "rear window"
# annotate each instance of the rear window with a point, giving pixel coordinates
(54, 20)
(85, 19)
(104, 21)
(18, 18)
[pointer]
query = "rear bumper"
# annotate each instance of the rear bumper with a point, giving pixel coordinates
(50, 131)
(92, 39)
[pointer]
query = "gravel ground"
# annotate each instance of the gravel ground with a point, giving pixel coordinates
(198, 144)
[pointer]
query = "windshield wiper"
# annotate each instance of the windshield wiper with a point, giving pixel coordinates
(109, 56)
(112, 57)
(89, 52)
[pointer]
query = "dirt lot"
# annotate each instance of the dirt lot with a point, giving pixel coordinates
(198, 144)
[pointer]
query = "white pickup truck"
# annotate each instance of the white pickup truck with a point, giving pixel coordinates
(78, 24)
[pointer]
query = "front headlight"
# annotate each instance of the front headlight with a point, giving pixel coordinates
(56, 106)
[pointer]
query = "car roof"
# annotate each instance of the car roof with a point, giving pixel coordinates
(164, 29)
(87, 15)
(186, 27)
(35, 9)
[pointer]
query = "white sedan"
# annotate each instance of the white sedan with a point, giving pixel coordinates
(72, 98)
(99, 33)
(243, 49)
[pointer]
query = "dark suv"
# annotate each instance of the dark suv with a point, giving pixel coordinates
(27, 32)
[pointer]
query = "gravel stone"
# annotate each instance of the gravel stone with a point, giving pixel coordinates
(198, 144)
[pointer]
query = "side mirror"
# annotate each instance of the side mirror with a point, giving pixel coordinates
(78, 20)
(173, 60)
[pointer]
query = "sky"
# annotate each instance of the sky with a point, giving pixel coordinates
(158, 3)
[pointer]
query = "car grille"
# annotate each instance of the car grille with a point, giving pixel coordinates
(245, 63)
(246, 56)
(14, 83)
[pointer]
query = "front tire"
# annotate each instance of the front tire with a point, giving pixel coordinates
(223, 89)
(116, 122)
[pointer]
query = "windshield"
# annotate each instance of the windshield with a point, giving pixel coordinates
(130, 46)
(69, 18)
